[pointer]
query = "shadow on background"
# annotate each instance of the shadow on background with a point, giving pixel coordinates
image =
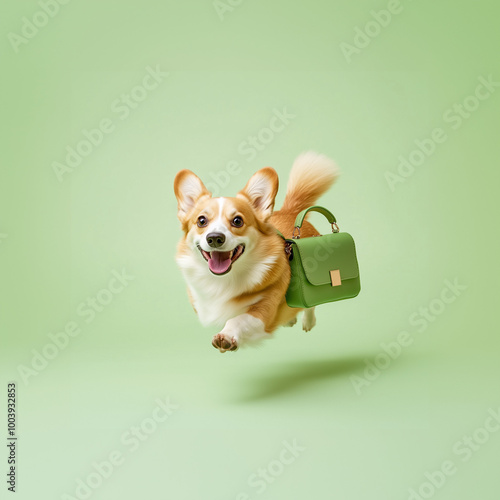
(294, 377)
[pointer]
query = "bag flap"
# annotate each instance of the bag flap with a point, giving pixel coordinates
(322, 254)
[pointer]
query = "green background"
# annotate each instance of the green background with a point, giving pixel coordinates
(61, 241)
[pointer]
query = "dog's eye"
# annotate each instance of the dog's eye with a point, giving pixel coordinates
(202, 221)
(237, 222)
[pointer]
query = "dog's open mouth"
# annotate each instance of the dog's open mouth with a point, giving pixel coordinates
(221, 262)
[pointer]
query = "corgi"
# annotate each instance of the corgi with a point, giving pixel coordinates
(232, 258)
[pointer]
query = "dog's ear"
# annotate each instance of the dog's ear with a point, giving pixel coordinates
(261, 191)
(188, 190)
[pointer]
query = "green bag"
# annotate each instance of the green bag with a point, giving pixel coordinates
(324, 268)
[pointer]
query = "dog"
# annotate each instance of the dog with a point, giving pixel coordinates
(231, 256)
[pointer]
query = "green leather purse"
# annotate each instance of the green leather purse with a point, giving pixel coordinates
(324, 268)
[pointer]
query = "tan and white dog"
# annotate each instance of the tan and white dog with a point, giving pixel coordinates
(231, 257)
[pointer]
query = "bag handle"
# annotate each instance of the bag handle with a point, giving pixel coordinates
(323, 211)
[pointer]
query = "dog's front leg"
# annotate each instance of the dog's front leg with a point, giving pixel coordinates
(237, 331)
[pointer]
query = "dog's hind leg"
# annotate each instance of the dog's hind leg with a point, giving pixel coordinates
(309, 319)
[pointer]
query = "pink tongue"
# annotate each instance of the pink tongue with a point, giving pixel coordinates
(219, 262)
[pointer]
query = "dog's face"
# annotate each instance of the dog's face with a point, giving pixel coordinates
(222, 232)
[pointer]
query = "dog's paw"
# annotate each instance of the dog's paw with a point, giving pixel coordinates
(308, 320)
(224, 343)
(292, 322)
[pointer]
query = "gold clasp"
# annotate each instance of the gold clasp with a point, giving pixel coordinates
(335, 277)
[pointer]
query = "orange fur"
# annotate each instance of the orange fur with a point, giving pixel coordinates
(264, 299)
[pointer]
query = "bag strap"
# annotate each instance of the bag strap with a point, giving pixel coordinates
(288, 245)
(323, 211)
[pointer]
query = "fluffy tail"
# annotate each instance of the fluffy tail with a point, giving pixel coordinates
(312, 175)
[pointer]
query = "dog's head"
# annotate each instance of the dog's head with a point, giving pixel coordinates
(222, 232)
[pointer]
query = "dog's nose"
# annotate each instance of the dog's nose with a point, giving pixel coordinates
(216, 240)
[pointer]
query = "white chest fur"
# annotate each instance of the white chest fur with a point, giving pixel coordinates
(212, 295)
(217, 308)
